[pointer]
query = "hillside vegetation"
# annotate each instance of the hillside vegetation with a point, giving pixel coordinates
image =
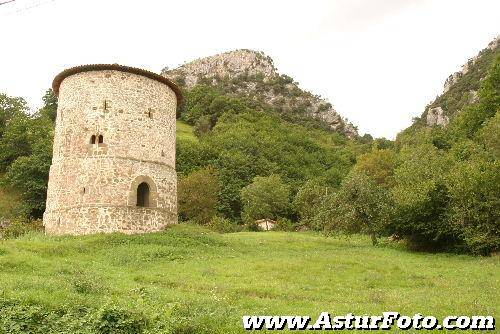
(190, 280)
(10, 206)
(437, 186)
(461, 88)
(249, 148)
(252, 75)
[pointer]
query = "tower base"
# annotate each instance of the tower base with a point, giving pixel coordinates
(89, 220)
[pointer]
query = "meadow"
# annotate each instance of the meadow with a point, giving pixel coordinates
(184, 131)
(190, 280)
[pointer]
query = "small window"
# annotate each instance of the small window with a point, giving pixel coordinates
(143, 195)
(101, 139)
(92, 139)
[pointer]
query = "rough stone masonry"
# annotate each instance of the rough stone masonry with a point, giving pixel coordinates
(113, 165)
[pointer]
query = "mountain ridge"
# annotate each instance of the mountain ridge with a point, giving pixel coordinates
(253, 74)
(461, 88)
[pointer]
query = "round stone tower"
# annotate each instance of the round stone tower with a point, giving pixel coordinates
(113, 165)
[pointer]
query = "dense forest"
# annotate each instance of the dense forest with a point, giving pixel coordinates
(434, 188)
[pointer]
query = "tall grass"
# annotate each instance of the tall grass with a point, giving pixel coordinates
(190, 280)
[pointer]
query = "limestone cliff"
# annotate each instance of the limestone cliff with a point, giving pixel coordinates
(253, 74)
(461, 88)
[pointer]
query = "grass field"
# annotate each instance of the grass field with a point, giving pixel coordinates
(184, 131)
(190, 280)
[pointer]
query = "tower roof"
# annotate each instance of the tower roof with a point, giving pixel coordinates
(115, 67)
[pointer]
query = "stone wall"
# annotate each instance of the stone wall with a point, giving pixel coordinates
(102, 219)
(92, 185)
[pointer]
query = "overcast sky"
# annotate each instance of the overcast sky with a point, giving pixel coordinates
(378, 62)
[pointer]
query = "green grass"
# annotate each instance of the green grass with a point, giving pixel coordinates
(185, 131)
(190, 280)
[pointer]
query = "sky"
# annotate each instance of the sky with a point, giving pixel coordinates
(379, 62)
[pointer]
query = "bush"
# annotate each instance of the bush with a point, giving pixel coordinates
(114, 320)
(203, 125)
(252, 226)
(24, 317)
(223, 225)
(285, 224)
(198, 195)
(474, 204)
(19, 227)
(421, 197)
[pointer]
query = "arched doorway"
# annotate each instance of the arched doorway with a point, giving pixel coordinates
(143, 195)
(143, 192)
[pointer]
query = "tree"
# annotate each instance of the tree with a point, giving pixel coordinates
(379, 165)
(489, 136)
(16, 140)
(49, 108)
(198, 195)
(29, 174)
(207, 101)
(308, 200)
(474, 188)
(421, 198)
(360, 206)
(26, 153)
(473, 118)
(266, 197)
(10, 107)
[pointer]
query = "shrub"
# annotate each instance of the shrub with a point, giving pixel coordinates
(203, 125)
(198, 195)
(474, 204)
(285, 224)
(421, 197)
(223, 225)
(19, 227)
(114, 320)
(252, 226)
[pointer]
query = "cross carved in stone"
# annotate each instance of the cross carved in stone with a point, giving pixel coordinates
(105, 105)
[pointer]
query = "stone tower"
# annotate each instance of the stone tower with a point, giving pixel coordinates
(113, 165)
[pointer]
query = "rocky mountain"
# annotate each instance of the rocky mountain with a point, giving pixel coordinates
(252, 74)
(461, 88)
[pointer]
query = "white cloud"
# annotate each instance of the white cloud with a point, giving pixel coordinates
(378, 62)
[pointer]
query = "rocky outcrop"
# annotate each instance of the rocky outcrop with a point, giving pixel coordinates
(451, 80)
(473, 96)
(229, 64)
(436, 116)
(461, 89)
(455, 77)
(253, 74)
